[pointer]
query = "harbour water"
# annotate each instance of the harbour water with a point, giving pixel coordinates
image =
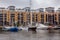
(29, 35)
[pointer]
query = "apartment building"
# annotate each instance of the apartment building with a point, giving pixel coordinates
(11, 16)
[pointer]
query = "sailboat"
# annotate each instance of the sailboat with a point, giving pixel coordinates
(10, 28)
(31, 27)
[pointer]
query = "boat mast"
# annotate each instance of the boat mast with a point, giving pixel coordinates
(31, 12)
(3, 17)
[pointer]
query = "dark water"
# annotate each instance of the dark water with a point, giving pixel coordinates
(25, 35)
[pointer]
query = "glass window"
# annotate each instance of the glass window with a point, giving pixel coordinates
(1, 15)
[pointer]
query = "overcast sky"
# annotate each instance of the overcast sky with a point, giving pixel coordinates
(35, 3)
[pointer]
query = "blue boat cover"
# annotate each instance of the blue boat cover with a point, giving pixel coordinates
(15, 29)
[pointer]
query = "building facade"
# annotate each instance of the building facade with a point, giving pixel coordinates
(23, 17)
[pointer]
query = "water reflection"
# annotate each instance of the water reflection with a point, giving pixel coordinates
(53, 35)
(31, 35)
(48, 34)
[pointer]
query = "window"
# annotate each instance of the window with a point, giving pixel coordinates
(1, 15)
(42, 16)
